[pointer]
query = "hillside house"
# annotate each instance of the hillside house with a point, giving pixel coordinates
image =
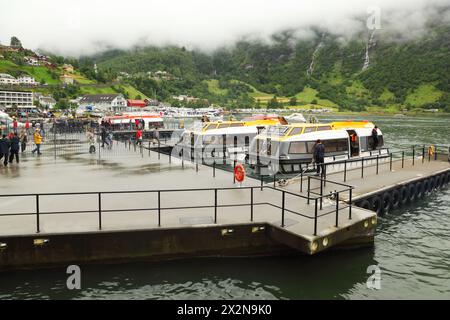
(104, 102)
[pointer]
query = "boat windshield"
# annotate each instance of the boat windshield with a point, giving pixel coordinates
(278, 131)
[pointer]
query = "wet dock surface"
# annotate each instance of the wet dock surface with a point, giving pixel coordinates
(132, 171)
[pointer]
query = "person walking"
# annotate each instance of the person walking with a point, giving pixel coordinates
(23, 140)
(14, 148)
(319, 157)
(4, 149)
(139, 137)
(37, 141)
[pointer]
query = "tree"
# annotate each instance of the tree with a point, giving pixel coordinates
(314, 101)
(138, 97)
(273, 103)
(293, 101)
(15, 43)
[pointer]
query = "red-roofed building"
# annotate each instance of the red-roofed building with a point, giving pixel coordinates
(137, 103)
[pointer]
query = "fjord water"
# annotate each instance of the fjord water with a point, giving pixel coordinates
(412, 250)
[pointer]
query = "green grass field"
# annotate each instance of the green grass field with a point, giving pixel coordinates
(425, 93)
(213, 87)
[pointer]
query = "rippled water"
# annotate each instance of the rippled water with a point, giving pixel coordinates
(412, 249)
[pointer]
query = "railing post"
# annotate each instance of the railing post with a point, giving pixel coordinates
(435, 153)
(99, 211)
(149, 147)
(214, 168)
(251, 204)
(378, 159)
(159, 149)
(403, 159)
(309, 188)
(261, 178)
(315, 217)
(274, 179)
(337, 208)
(159, 208)
(345, 170)
(282, 208)
(301, 180)
(362, 167)
(234, 176)
(350, 203)
(423, 154)
(390, 161)
(215, 206)
(38, 228)
(321, 194)
(413, 155)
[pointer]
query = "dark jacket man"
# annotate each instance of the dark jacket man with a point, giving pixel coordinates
(4, 149)
(319, 155)
(15, 147)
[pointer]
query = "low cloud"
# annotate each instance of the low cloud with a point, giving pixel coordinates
(79, 27)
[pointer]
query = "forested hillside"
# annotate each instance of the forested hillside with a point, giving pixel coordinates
(370, 70)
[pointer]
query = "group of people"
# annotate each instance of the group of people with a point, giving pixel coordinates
(13, 144)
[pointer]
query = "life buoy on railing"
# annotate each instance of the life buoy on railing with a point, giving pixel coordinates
(431, 150)
(239, 172)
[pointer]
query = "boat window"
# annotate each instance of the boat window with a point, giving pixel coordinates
(297, 147)
(269, 147)
(323, 128)
(223, 125)
(309, 129)
(335, 145)
(234, 125)
(278, 131)
(310, 146)
(296, 131)
(247, 141)
(210, 127)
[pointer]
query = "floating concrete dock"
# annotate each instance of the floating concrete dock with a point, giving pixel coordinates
(135, 205)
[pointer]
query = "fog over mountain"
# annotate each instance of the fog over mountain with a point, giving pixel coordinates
(83, 27)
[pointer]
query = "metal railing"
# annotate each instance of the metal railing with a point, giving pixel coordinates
(160, 207)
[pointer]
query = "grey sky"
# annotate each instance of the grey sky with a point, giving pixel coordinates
(74, 27)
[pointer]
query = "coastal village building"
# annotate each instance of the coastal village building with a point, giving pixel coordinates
(32, 61)
(67, 79)
(9, 98)
(68, 68)
(47, 102)
(104, 102)
(7, 79)
(26, 80)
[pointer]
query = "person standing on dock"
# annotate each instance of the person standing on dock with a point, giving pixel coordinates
(139, 136)
(4, 149)
(14, 148)
(319, 157)
(23, 140)
(37, 141)
(375, 138)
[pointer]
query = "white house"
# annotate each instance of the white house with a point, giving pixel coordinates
(7, 79)
(104, 102)
(26, 80)
(47, 102)
(32, 61)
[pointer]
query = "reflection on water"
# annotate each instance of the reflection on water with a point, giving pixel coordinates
(411, 248)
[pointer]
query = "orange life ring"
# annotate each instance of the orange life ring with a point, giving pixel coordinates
(239, 172)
